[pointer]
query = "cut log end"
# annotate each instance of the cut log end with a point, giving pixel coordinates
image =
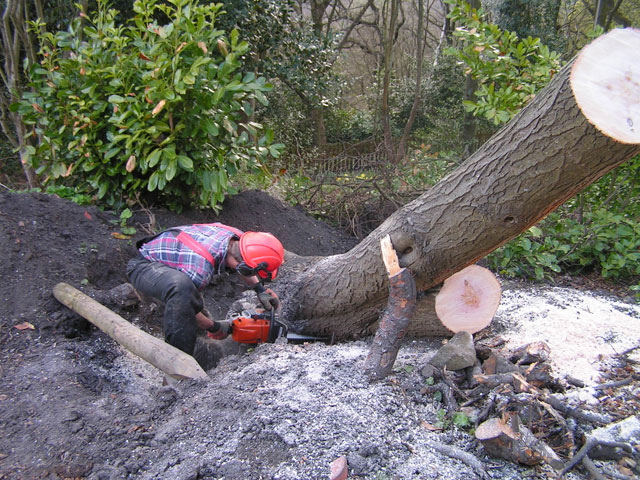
(605, 80)
(468, 300)
(389, 256)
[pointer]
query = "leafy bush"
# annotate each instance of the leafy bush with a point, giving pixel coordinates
(348, 125)
(604, 241)
(509, 70)
(158, 111)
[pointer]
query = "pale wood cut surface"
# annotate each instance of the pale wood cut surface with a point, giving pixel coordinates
(468, 300)
(606, 83)
(389, 256)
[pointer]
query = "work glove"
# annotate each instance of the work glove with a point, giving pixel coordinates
(267, 297)
(219, 330)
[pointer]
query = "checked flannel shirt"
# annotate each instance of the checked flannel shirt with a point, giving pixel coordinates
(167, 249)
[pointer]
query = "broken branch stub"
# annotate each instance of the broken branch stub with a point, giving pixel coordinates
(468, 300)
(395, 318)
(161, 355)
(389, 256)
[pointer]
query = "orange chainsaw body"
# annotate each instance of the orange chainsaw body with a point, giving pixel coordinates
(251, 329)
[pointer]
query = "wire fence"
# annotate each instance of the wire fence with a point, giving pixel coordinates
(369, 154)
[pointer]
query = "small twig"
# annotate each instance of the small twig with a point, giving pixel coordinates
(476, 394)
(619, 383)
(447, 396)
(576, 412)
(385, 196)
(628, 351)
(484, 414)
(3, 185)
(592, 469)
(617, 475)
(576, 382)
(464, 457)
(588, 445)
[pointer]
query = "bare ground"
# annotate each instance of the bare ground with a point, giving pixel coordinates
(73, 404)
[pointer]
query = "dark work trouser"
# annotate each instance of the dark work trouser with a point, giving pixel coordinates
(178, 292)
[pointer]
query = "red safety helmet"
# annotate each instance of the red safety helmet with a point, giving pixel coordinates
(262, 254)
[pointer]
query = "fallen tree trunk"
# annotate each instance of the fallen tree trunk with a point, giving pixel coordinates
(544, 156)
(173, 362)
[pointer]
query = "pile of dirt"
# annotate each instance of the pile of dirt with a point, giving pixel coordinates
(74, 404)
(63, 393)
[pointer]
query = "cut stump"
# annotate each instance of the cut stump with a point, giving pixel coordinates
(500, 440)
(468, 300)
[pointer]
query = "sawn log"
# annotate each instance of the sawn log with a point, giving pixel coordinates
(170, 360)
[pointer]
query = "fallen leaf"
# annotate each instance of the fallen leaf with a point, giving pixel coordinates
(87, 215)
(120, 236)
(158, 108)
(25, 326)
(429, 426)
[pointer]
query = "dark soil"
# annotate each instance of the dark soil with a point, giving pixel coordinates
(61, 411)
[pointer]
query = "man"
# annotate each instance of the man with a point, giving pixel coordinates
(177, 264)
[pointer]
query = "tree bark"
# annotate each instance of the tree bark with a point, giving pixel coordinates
(544, 156)
(161, 355)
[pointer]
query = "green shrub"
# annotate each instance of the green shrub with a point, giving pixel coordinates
(161, 112)
(598, 230)
(509, 70)
(601, 240)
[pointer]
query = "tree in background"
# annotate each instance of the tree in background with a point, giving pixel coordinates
(17, 43)
(531, 18)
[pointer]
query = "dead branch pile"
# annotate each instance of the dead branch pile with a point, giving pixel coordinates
(523, 413)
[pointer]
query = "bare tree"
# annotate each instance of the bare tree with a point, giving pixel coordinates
(17, 43)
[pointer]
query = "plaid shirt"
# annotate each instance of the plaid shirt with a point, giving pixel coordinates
(167, 249)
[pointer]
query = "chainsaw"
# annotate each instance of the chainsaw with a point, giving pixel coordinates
(263, 327)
